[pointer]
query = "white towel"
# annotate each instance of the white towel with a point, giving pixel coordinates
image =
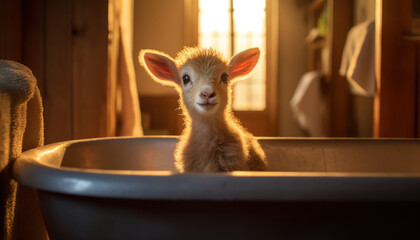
(358, 59)
(307, 104)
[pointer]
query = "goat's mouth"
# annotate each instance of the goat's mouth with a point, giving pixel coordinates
(207, 106)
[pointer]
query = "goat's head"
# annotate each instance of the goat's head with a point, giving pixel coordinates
(202, 76)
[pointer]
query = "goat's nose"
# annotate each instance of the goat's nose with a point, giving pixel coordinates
(207, 94)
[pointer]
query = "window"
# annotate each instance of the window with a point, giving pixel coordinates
(232, 26)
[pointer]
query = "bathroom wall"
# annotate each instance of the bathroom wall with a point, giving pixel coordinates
(292, 62)
(158, 24)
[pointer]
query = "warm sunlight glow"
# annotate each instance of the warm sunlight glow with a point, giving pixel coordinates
(249, 16)
(247, 20)
(215, 30)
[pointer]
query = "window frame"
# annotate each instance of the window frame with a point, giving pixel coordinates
(259, 122)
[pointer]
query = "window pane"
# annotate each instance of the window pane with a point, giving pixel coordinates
(249, 17)
(249, 31)
(214, 27)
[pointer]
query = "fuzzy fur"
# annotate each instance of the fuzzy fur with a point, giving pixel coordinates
(213, 139)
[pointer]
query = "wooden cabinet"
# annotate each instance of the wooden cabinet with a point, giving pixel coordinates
(396, 104)
(324, 54)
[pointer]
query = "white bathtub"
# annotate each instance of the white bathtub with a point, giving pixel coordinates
(126, 188)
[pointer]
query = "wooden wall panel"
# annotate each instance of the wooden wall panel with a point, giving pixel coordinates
(89, 67)
(161, 114)
(58, 71)
(395, 102)
(65, 43)
(418, 90)
(11, 30)
(33, 28)
(257, 123)
(338, 100)
(271, 114)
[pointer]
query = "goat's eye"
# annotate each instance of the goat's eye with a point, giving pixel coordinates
(186, 79)
(224, 78)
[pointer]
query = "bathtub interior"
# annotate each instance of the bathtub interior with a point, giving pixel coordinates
(283, 154)
(152, 154)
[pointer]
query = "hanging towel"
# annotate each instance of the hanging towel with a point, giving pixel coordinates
(307, 105)
(17, 81)
(21, 128)
(358, 59)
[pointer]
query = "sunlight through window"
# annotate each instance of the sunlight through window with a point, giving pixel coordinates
(232, 26)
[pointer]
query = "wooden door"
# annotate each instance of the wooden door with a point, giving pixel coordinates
(396, 101)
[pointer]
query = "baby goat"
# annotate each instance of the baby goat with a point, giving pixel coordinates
(213, 140)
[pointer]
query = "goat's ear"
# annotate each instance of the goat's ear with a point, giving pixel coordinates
(159, 66)
(242, 63)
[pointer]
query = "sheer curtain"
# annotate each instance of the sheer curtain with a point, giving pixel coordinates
(128, 107)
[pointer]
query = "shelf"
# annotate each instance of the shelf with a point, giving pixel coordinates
(335, 91)
(318, 44)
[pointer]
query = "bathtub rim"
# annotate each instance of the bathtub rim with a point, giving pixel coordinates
(29, 170)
